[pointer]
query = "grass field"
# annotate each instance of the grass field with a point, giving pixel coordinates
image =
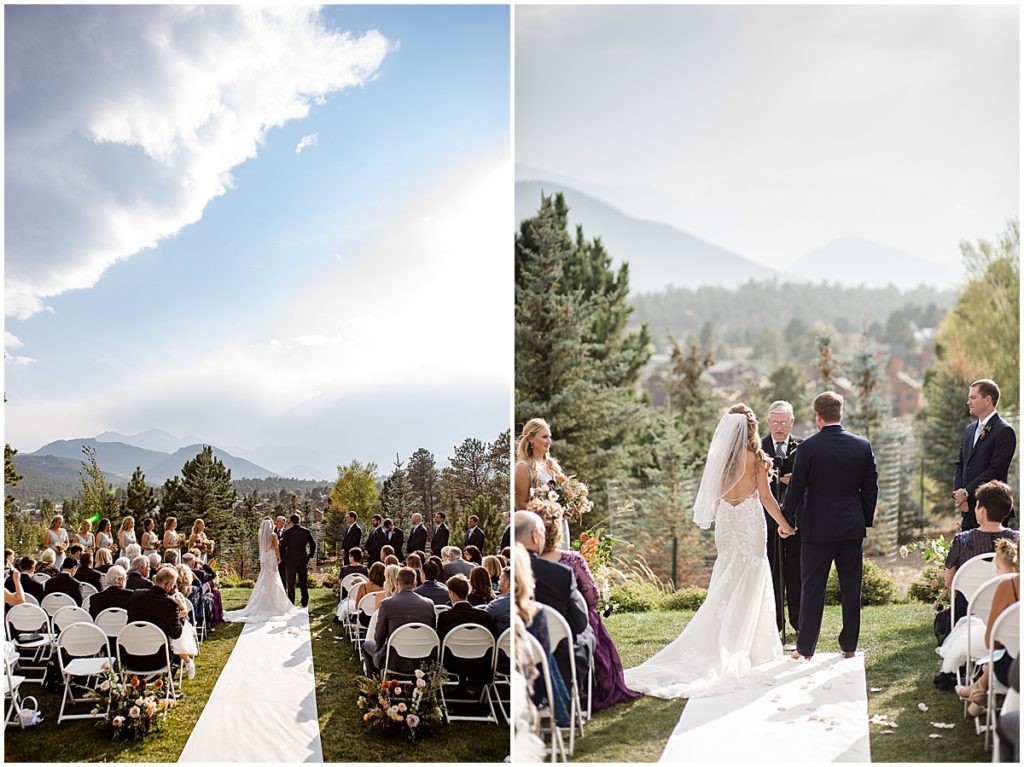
(344, 736)
(900, 660)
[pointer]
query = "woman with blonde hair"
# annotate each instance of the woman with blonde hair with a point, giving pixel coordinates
(170, 534)
(493, 565)
(199, 540)
(126, 535)
(537, 473)
(56, 540)
(84, 536)
(150, 541)
(734, 631)
(390, 582)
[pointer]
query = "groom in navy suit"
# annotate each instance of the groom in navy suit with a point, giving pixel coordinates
(986, 450)
(834, 488)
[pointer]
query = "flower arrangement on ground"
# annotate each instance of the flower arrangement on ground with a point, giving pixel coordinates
(596, 547)
(133, 710)
(410, 708)
(930, 584)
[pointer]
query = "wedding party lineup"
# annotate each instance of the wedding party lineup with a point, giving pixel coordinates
(512, 382)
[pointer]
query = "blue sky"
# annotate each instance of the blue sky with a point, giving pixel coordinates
(318, 296)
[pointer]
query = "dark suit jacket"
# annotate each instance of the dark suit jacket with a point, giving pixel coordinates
(834, 487)
(110, 597)
(137, 581)
(474, 537)
(374, 543)
(989, 459)
(351, 540)
(417, 539)
(397, 610)
(65, 584)
(506, 538)
(156, 607)
(556, 587)
(297, 547)
(500, 611)
(458, 567)
(459, 613)
(354, 570)
(397, 542)
(90, 576)
(434, 591)
(440, 539)
(768, 445)
(29, 585)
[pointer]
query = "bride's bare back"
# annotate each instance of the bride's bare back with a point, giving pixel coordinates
(743, 484)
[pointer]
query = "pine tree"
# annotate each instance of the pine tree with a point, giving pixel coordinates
(172, 498)
(398, 499)
(872, 405)
(499, 457)
(355, 490)
(824, 335)
(939, 427)
(141, 500)
(11, 477)
(207, 494)
(422, 474)
(787, 382)
(96, 498)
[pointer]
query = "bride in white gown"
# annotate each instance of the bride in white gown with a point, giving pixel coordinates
(268, 600)
(734, 630)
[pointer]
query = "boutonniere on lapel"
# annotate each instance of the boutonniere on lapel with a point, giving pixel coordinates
(985, 430)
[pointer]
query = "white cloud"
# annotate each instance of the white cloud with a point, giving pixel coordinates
(313, 340)
(305, 142)
(15, 359)
(11, 341)
(123, 122)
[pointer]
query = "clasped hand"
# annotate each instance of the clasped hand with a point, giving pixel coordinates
(787, 531)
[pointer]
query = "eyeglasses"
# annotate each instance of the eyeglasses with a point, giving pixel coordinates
(775, 424)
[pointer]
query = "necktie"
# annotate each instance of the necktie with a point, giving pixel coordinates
(977, 434)
(780, 449)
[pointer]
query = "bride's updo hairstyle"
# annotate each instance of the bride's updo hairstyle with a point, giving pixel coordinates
(552, 514)
(524, 450)
(753, 437)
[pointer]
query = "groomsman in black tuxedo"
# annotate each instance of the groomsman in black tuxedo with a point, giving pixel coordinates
(375, 540)
(394, 538)
(783, 553)
(474, 535)
(986, 450)
(834, 487)
(440, 538)
(353, 535)
(279, 531)
(417, 535)
(506, 536)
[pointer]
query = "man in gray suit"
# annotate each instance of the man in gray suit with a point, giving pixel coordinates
(456, 565)
(403, 607)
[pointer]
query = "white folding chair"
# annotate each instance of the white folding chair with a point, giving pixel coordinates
(12, 685)
(412, 641)
(35, 636)
(1005, 631)
(85, 644)
(559, 631)
(143, 638)
(348, 582)
(53, 602)
(69, 615)
(367, 607)
(40, 577)
(979, 607)
(29, 599)
(469, 641)
(503, 647)
(112, 620)
(556, 745)
(967, 579)
(88, 590)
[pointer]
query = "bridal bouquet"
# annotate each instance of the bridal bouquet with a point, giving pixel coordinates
(573, 496)
(131, 711)
(408, 708)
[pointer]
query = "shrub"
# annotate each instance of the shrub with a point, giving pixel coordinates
(330, 581)
(688, 598)
(635, 597)
(929, 586)
(228, 581)
(877, 586)
(245, 583)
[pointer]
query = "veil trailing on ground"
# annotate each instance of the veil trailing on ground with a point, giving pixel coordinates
(266, 533)
(722, 469)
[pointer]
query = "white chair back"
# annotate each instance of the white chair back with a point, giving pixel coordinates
(29, 599)
(1006, 630)
(438, 609)
(26, 617)
(980, 605)
(40, 577)
(88, 590)
(112, 620)
(558, 628)
(65, 617)
(368, 604)
(53, 602)
(141, 638)
(81, 640)
(504, 642)
(413, 641)
(969, 577)
(470, 640)
(351, 580)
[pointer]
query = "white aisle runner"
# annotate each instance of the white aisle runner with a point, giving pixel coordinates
(263, 707)
(816, 712)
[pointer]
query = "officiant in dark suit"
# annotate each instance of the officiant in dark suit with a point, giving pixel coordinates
(834, 488)
(986, 449)
(297, 548)
(783, 553)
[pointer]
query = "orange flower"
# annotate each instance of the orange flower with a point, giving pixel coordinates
(158, 684)
(584, 536)
(135, 681)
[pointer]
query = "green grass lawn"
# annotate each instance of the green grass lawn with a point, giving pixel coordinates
(900, 659)
(344, 736)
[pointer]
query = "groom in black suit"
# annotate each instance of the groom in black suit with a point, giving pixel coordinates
(297, 548)
(834, 487)
(986, 450)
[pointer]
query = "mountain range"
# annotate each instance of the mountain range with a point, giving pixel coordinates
(661, 255)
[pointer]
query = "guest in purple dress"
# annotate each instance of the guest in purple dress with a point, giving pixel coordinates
(609, 684)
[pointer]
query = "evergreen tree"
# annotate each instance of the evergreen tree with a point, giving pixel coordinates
(872, 405)
(499, 457)
(172, 498)
(207, 494)
(689, 395)
(355, 490)
(939, 425)
(11, 477)
(787, 382)
(422, 474)
(96, 499)
(141, 498)
(398, 499)
(824, 336)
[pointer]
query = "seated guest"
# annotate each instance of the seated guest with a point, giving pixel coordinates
(86, 574)
(138, 576)
(1007, 593)
(609, 681)
(64, 582)
(506, 554)
(480, 592)
(156, 605)
(171, 557)
(207, 575)
(123, 562)
(994, 500)
(387, 551)
(374, 585)
(102, 560)
(391, 559)
(500, 609)
(415, 561)
(430, 588)
(355, 564)
(404, 607)
(494, 566)
(456, 565)
(132, 550)
(188, 591)
(27, 566)
(114, 595)
(75, 550)
(555, 586)
(473, 555)
(474, 673)
(191, 560)
(155, 561)
(45, 562)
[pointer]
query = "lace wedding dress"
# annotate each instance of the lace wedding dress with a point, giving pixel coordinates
(734, 630)
(268, 600)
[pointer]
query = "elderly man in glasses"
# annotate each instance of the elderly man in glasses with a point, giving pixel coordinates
(783, 554)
